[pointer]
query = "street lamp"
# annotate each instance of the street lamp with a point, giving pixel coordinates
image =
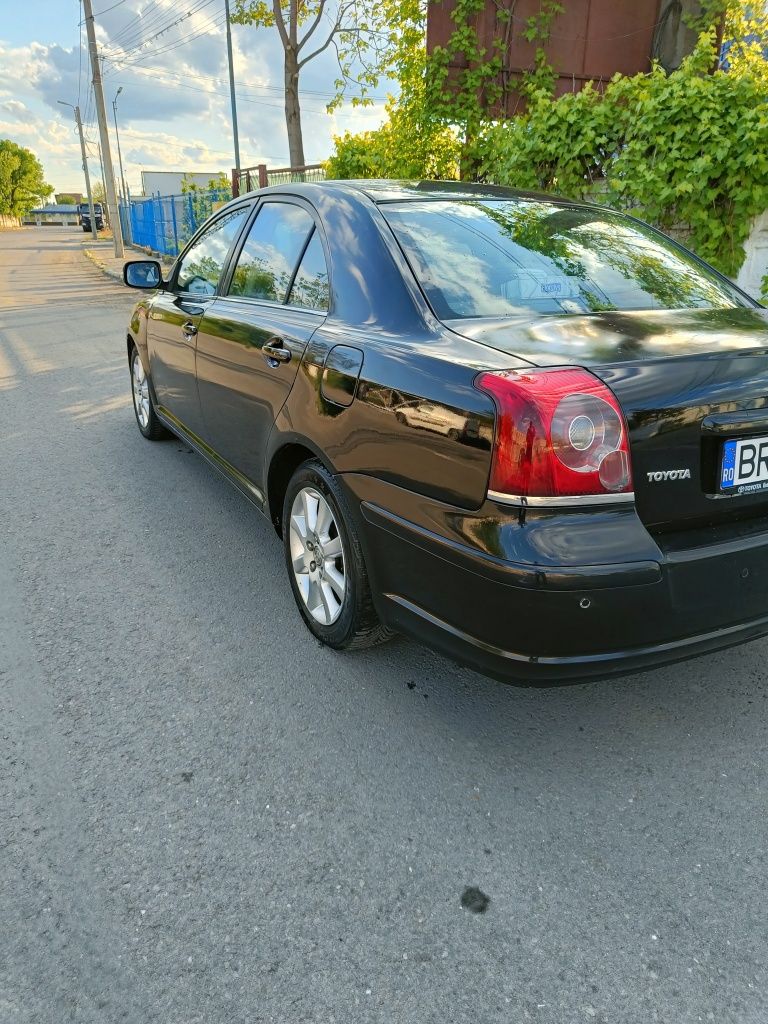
(120, 161)
(79, 124)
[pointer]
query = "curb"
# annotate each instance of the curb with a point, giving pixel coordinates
(116, 275)
(136, 252)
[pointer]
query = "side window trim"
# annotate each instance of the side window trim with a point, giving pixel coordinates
(249, 300)
(307, 240)
(226, 279)
(318, 311)
(235, 247)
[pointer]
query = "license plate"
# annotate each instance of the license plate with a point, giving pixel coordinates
(744, 468)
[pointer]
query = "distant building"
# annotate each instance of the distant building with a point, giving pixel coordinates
(168, 183)
(53, 213)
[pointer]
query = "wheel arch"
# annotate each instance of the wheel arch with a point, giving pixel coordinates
(283, 463)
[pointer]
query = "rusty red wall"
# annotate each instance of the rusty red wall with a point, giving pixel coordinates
(591, 40)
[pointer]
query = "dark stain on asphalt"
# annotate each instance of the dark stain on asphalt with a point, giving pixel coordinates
(187, 776)
(411, 686)
(475, 900)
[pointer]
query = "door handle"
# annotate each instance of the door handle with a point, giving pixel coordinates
(276, 352)
(189, 330)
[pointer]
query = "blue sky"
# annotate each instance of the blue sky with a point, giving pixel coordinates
(174, 108)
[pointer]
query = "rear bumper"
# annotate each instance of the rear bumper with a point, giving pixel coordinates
(511, 666)
(544, 623)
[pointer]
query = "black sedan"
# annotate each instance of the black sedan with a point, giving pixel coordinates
(531, 433)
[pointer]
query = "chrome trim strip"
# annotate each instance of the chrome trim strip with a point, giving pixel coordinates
(568, 501)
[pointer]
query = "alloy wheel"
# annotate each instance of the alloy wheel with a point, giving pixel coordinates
(317, 556)
(140, 392)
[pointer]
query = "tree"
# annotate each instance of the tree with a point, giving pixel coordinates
(22, 185)
(414, 142)
(746, 39)
(202, 200)
(67, 199)
(220, 184)
(364, 34)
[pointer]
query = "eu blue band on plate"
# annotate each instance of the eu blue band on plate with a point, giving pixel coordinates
(729, 464)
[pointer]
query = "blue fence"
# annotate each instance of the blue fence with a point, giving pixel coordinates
(165, 223)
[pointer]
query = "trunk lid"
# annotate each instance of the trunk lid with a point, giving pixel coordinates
(688, 382)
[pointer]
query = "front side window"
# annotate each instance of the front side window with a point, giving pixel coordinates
(310, 286)
(268, 258)
(202, 265)
(496, 257)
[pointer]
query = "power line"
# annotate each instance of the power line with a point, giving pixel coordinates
(98, 14)
(206, 29)
(243, 95)
(87, 118)
(136, 41)
(153, 14)
(209, 92)
(136, 55)
(128, 65)
(121, 32)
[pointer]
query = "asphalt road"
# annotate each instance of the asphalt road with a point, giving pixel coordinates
(205, 818)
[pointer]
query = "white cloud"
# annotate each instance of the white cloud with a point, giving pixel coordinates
(16, 108)
(174, 109)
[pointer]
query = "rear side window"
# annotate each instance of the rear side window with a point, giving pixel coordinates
(494, 258)
(271, 251)
(310, 286)
(202, 265)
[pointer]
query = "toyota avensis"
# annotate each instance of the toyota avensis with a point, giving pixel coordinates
(529, 432)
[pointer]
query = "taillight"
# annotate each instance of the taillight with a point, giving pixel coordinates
(559, 433)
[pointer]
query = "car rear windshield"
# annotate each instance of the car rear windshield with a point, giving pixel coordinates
(505, 257)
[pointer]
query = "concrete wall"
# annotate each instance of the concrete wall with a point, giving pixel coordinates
(9, 222)
(755, 265)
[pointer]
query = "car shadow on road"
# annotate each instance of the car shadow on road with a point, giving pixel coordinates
(698, 705)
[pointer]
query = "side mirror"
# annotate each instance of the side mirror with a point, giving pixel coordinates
(143, 274)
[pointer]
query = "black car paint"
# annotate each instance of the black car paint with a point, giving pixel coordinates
(520, 593)
(672, 372)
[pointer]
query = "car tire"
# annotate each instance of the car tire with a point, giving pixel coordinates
(332, 591)
(143, 406)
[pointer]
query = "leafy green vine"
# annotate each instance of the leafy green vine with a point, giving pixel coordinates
(688, 151)
(468, 83)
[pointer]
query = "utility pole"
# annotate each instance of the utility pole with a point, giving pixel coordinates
(101, 114)
(120, 162)
(232, 89)
(88, 192)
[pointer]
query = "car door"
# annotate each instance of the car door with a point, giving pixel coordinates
(175, 316)
(252, 338)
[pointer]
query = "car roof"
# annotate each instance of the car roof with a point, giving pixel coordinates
(381, 190)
